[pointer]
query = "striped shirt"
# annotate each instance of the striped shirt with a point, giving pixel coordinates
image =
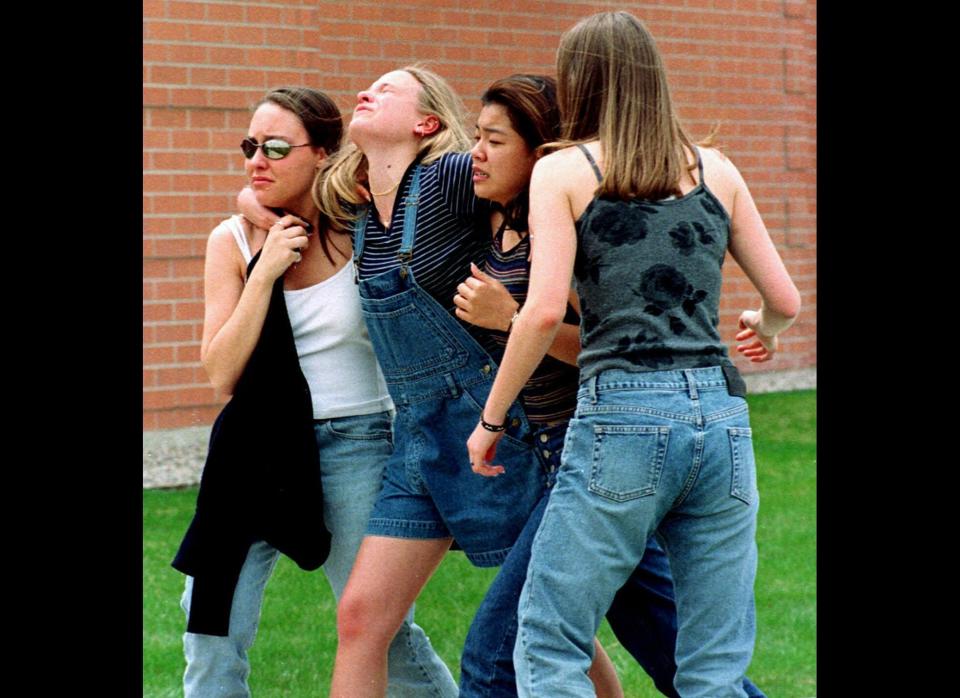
(550, 396)
(447, 238)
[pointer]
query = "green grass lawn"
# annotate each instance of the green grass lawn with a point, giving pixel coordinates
(293, 655)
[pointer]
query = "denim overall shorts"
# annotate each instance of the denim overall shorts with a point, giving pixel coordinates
(439, 378)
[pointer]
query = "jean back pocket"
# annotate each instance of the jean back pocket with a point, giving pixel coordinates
(627, 460)
(743, 483)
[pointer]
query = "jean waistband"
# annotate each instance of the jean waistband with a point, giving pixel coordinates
(689, 380)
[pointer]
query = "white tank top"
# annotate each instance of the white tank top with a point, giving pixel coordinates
(335, 352)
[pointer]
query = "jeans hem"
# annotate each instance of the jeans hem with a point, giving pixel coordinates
(395, 528)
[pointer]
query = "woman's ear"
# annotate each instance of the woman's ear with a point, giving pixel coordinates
(321, 156)
(427, 125)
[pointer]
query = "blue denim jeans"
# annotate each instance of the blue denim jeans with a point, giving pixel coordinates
(643, 615)
(666, 452)
(353, 451)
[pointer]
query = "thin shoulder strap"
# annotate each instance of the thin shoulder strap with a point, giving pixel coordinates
(696, 151)
(593, 163)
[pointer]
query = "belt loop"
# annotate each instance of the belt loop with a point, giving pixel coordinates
(592, 388)
(691, 383)
(452, 384)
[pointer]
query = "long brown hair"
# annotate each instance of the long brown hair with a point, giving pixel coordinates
(531, 105)
(612, 85)
(349, 169)
(324, 126)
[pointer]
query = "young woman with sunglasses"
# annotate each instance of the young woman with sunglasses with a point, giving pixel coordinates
(519, 114)
(297, 455)
(660, 441)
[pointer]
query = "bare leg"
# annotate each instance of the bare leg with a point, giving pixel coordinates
(386, 579)
(603, 674)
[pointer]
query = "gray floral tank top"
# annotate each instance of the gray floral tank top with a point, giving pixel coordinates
(648, 275)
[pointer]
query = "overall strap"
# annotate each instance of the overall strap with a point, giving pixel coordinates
(409, 228)
(411, 203)
(593, 163)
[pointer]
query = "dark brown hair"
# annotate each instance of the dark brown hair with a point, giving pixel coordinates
(316, 111)
(321, 119)
(531, 105)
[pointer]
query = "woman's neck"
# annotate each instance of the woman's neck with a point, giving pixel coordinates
(385, 167)
(387, 163)
(305, 209)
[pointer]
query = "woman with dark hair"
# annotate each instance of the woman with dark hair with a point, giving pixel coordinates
(519, 114)
(297, 455)
(660, 442)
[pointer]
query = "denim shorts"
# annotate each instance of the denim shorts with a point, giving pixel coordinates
(429, 489)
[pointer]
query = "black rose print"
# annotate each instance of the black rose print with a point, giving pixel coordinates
(690, 303)
(615, 225)
(686, 235)
(665, 288)
(711, 206)
(584, 268)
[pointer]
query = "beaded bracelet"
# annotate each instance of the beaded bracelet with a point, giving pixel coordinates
(492, 427)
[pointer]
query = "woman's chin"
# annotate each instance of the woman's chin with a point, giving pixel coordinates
(268, 201)
(482, 189)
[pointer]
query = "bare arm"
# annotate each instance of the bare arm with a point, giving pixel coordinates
(754, 251)
(234, 311)
(485, 302)
(542, 315)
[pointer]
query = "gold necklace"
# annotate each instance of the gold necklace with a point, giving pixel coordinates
(384, 193)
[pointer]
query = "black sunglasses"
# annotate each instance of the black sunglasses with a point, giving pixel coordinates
(274, 149)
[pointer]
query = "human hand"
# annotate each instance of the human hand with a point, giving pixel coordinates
(255, 212)
(483, 301)
(363, 193)
(286, 240)
(482, 449)
(763, 347)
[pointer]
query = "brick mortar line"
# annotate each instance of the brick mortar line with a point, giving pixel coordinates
(308, 48)
(718, 14)
(776, 91)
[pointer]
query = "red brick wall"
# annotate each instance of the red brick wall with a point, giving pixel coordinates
(748, 63)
